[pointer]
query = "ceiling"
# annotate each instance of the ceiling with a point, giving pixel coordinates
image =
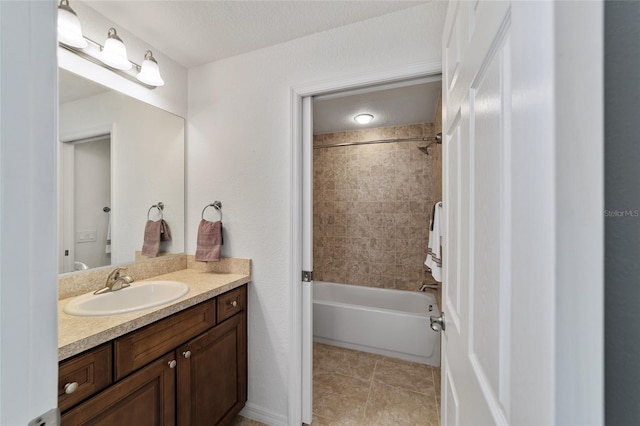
(391, 105)
(198, 32)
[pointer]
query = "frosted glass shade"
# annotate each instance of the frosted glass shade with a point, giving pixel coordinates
(69, 29)
(114, 53)
(363, 118)
(149, 71)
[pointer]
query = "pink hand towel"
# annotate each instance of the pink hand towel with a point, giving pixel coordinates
(165, 231)
(151, 245)
(209, 241)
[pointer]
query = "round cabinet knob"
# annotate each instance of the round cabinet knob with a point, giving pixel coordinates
(172, 363)
(186, 354)
(234, 303)
(70, 388)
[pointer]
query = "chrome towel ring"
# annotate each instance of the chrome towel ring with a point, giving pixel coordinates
(160, 207)
(216, 205)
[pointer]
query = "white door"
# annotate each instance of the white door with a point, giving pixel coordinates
(522, 198)
(478, 44)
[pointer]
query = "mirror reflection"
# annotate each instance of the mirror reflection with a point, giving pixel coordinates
(117, 157)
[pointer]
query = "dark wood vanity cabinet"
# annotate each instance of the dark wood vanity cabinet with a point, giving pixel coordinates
(172, 372)
(147, 397)
(212, 376)
(84, 375)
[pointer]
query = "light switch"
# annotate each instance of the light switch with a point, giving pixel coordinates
(87, 236)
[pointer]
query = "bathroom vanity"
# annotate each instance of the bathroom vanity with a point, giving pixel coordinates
(187, 368)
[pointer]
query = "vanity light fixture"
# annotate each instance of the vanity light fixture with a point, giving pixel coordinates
(114, 54)
(69, 29)
(363, 118)
(149, 71)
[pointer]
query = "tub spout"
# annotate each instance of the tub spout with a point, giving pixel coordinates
(426, 287)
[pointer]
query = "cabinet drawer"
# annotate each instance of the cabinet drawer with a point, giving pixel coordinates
(231, 303)
(143, 346)
(87, 373)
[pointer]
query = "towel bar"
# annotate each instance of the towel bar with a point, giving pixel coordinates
(216, 205)
(160, 207)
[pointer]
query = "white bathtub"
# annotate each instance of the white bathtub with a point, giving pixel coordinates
(387, 322)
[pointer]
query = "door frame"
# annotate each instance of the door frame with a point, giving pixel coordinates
(297, 93)
(66, 194)
(28, 272)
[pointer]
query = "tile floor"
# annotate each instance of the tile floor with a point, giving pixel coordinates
(243, 421)
(357, 388)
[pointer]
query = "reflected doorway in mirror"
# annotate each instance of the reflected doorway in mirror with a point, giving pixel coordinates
(86, 189)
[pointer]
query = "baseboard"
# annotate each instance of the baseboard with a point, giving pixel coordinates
(262, 415)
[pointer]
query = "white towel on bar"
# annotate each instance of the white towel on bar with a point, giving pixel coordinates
(434, 257)
(107, 248)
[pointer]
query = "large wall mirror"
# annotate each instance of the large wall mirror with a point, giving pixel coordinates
(117, 158)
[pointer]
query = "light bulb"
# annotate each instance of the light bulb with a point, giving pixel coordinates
(363, 118)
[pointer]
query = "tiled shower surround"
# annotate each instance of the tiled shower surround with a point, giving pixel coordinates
(372, 205)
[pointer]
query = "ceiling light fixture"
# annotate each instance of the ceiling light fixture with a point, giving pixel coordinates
(114, 53)
(69, 29)
(149, 71)
(363, 118)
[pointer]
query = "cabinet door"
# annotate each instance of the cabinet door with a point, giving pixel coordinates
(147, 397)
(212, 374)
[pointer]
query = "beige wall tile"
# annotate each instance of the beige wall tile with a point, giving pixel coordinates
(379, 198)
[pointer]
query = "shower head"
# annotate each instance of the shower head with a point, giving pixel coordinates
(437, 140)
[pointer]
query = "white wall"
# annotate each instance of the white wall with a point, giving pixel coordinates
(239, 152)
(28, 273)
(171, 97)
(147, 158)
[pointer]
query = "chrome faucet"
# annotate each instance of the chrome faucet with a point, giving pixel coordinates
(115, 281)
(426, 286)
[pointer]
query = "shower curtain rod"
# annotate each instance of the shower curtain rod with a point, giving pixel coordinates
(427, 139)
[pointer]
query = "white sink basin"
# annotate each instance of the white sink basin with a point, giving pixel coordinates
(139, 296)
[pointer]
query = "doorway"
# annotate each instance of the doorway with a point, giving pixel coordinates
(86, 203)
(301, 380)
(374, 187)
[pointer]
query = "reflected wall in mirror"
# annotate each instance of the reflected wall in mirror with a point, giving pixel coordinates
(117, 157)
